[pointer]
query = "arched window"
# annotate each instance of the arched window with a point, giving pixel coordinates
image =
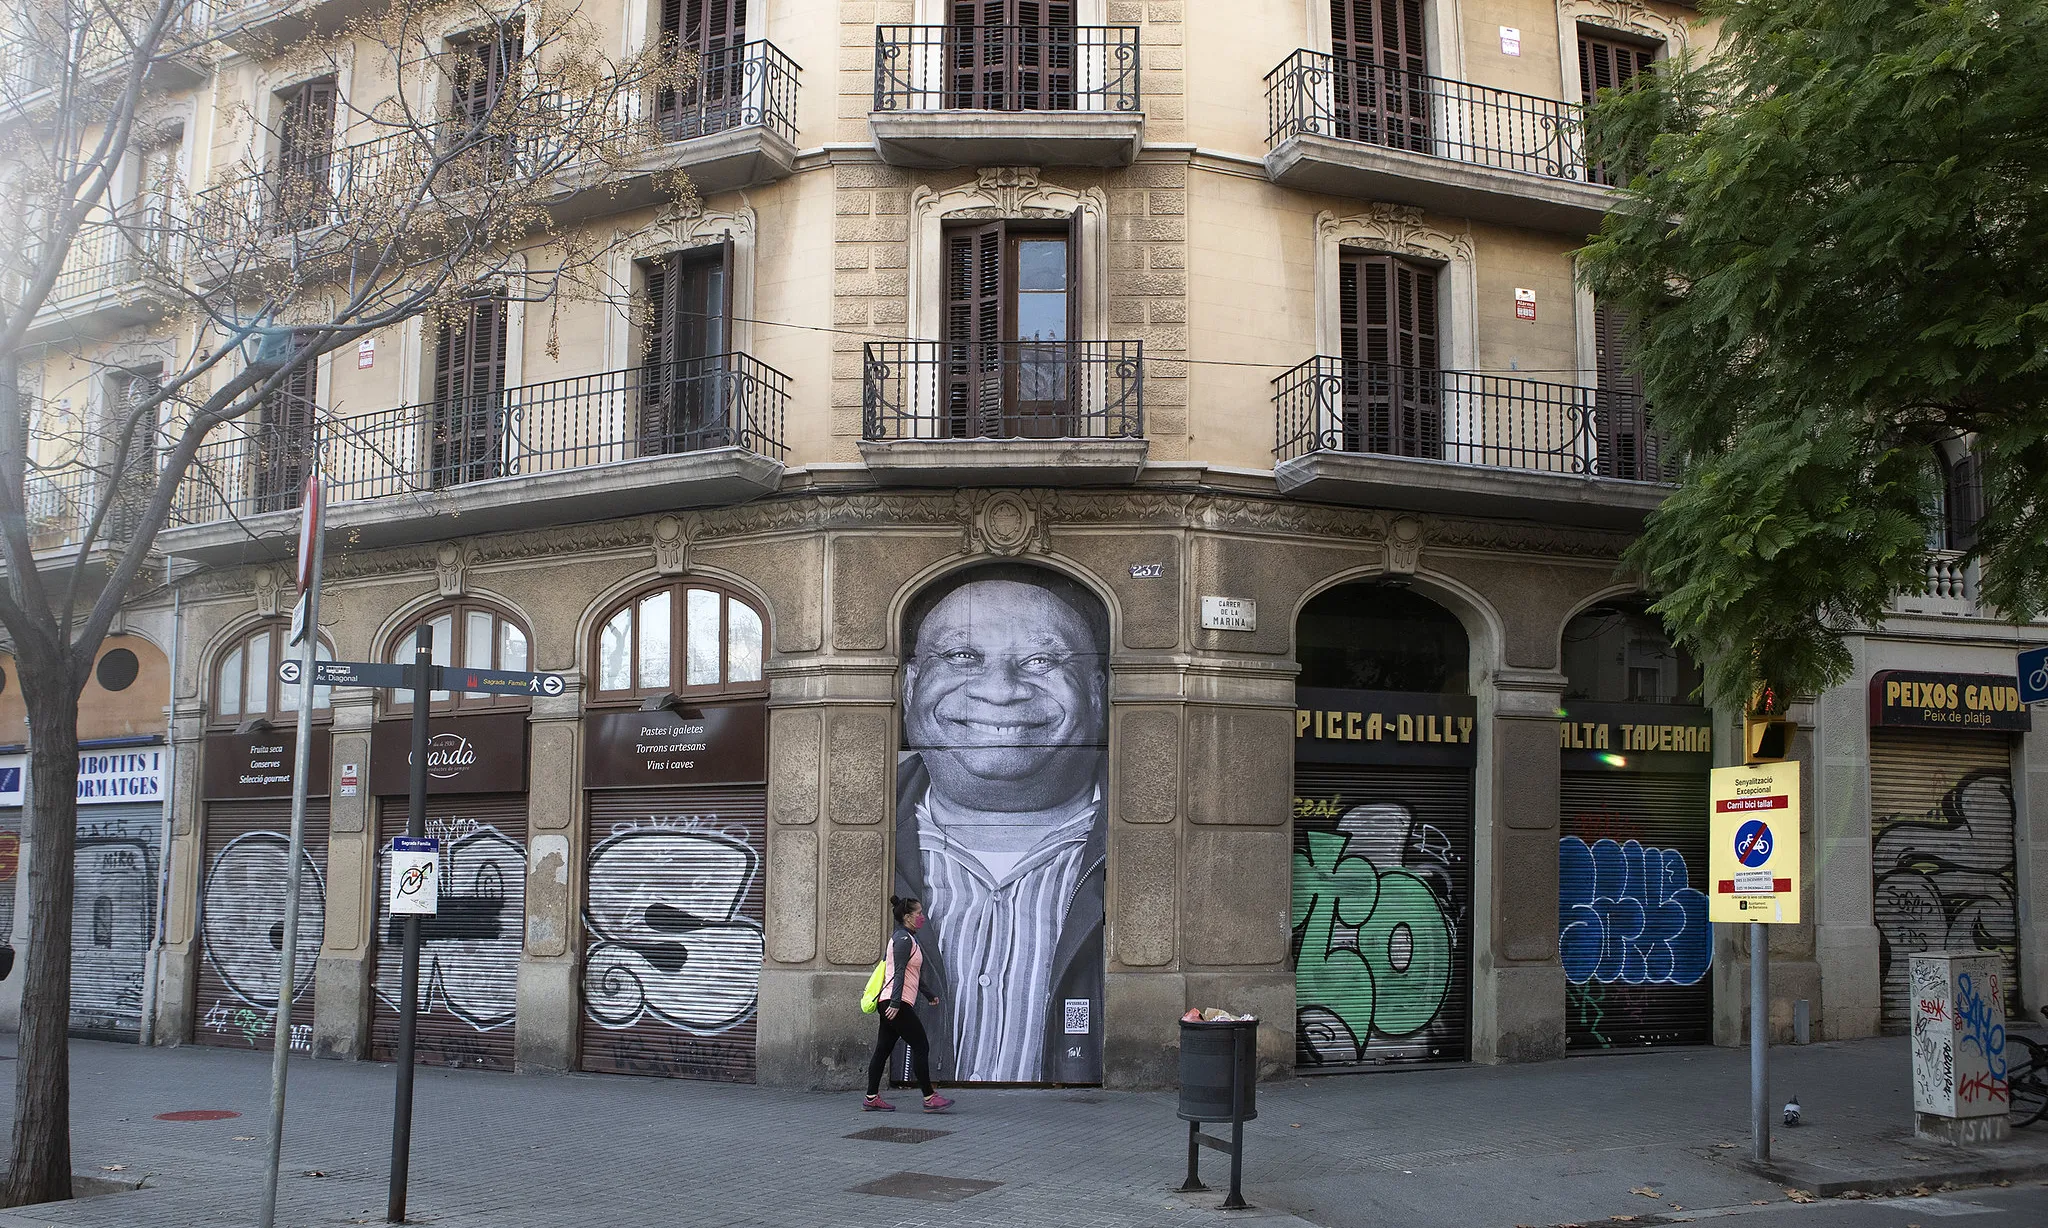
(472, 634)
(1377, 637)
(1618, 652)
(686, 638)
(246, 685)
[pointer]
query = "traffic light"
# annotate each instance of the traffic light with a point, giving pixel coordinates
(1766, 734)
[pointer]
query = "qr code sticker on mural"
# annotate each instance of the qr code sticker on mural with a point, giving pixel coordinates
(1077, 1016)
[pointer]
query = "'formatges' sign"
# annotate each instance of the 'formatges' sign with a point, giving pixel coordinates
(1336, 726)
(1985, 703)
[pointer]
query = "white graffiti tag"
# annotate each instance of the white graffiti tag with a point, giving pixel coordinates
(241, 917)
(469, 951)
(667, 938)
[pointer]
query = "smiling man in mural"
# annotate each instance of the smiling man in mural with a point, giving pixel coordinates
(1000, 821)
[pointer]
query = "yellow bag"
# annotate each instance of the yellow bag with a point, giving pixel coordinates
(870, 997)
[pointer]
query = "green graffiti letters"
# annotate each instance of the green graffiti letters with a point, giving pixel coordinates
(1391, 978)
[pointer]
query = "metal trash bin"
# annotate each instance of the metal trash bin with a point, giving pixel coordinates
(1219, 1071)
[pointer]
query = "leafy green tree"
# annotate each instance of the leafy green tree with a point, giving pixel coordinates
(1833, 248)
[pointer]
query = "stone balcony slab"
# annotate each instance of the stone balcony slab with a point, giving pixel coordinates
(1005, 462)
(931, 139)
(1367, 479)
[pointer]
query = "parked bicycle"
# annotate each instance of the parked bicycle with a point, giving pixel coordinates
(2026, 1080)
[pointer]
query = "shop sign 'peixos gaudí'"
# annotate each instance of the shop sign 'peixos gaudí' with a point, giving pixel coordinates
(1984, 703)
(465, 754)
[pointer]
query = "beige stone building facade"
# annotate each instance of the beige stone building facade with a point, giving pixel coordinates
(1139, 475)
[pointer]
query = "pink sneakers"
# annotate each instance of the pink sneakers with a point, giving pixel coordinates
(936, 1103)
(875, 1104)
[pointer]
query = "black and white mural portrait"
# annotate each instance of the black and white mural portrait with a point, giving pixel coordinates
(1000, 821)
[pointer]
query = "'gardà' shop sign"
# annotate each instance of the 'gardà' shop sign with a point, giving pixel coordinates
(1987, 703)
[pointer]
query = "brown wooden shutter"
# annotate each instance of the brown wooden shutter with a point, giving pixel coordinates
(1392, 382)
(284, 448)
(1380, 90)
(683, 394)
(1608, 62)
(305, 153)
(1011, 55)
(1620, 423)
(469, 397)
(1963, 501)
(975, 328)
(713, 31)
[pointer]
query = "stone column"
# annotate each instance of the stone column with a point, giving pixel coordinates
(2030, 838)
(549, 966)
(344, 979)
(1518, 987)
(178, 966)
(1845, 933)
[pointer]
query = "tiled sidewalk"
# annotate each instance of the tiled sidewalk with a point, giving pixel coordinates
(1475, 1147)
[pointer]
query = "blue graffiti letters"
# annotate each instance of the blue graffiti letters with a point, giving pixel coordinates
(1626, 914)
(1976, 1025)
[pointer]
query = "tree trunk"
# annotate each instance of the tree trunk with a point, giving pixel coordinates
(41, 1167)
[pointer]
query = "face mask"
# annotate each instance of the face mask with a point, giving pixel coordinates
(915, 921)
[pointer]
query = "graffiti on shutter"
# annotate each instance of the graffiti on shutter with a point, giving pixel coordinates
(10, 868)
(1632, 910)
(1382, 947)
(673, 912)
(469, 952)
(1941, 828)
(241, 922)
(113, 914)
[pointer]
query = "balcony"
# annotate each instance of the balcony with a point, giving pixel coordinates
(106, 280)
(33, 59)
(695, 433)
(1061, 413)
(1459, 442)
(1006, 95)
(1950, 589)
(733, 127)
(1376, 133)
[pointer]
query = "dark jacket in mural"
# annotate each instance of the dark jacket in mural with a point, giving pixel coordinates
(1077, 959)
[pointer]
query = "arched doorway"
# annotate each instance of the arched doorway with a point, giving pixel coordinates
(1385, 737)
(1632, 852)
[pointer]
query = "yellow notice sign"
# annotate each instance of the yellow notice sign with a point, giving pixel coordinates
(1753, 844)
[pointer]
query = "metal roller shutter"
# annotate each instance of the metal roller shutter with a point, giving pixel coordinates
(10, 868)
(241, 921)
(1382, 945)
(113, 915)
(673, 909)
(469, 951)
(1941, 830)
(1632, 910)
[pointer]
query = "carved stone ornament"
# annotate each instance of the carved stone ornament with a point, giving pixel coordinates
(1624, 15)
(1394, 228)
(268, 584)
(1009, 186)
(1404, 545)
(1005, 523)
(671, 547)
(451, 562)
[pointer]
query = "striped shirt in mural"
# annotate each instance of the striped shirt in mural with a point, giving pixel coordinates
(1000, 923)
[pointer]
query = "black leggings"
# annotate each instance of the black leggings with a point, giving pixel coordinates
(906, 1028)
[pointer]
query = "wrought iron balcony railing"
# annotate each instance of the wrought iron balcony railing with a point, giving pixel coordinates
(751, 85)
(1006, 68)
(250, 467)
(1331, 405)
(1314, 94)
(106, 256)
(61, 504)
(1003, 390)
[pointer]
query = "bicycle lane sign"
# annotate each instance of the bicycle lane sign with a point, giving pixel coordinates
(2033, 673)
(1753, 844)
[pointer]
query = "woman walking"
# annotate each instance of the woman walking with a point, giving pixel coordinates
(898, 1014)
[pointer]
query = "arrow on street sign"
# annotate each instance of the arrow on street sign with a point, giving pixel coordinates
(498, 681)
(350, 673)
(2034, 675)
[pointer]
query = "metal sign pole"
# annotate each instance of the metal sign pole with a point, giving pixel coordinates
(409, 968)
(1760, 1040)
(312, 545)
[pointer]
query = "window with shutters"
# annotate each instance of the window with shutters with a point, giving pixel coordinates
(1962, 501)
(1010, 364)
(156, 185)
(1010, 55)
(472, 634)
(132, 422)
(468, 424)
(685, 378)
(305, 153)
(483, 69)
(1621, 426)
(284, 447)
(1393, 381)
(713, 33)
(246, 685)
(1609, 60)
(685, 638)
(1380, 88)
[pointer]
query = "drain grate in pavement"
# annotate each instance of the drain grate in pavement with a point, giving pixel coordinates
(199, 1114)
(926, 1187)
(898, 1134)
